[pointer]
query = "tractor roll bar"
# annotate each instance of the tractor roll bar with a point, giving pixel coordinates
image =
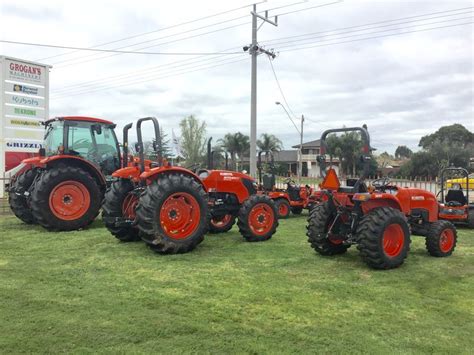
(465, 174)
(156, 145)
(365, 149)
(125, 144)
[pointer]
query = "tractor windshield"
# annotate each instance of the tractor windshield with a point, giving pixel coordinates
(53, 138)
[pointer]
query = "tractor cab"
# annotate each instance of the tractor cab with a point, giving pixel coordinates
(92, 139)
(454, 197)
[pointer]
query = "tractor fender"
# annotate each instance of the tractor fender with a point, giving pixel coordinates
(153, 173)
(129, 172)
(77, 161)
(382, 200)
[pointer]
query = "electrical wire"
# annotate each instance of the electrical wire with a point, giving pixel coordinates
(111, 50)
(160, 29)
(373, 37)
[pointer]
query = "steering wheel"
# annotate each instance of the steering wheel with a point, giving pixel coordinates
(382, 182)
(290, 181)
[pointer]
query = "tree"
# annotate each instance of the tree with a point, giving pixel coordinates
(193, 140)
(403, 152)
(384, 159)
(449, 145)
(269, 142)
(347, 148)
(165, 145)
(237, 144)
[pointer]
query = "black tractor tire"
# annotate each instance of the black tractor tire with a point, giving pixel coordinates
(296, 210)
(319, 220)
(383, 238)
(283, 208)
(68, 178)
(18, 195)
(184, 193)
(119, 193)
(258, 218)
(221, 224)
(441, 239)
(470, 222)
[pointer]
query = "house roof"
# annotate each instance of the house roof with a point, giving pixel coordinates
(285, 156)
(311, 144)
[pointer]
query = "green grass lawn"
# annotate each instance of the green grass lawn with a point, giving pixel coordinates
(85, 292)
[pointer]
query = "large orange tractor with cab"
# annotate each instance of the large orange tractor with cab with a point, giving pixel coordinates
(294, 198)
(454, 198)
(62, 188)
(378, 218)
(171, 208)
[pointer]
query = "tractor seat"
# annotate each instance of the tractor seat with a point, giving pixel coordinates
(350, 189)
(268, 182)
(455, 198)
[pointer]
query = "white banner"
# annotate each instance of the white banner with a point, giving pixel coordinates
(23, 100)
(24, 89)
(25, 133)
(25, 72)
(22, 145)
(24, 112)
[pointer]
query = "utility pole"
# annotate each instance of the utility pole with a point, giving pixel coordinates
(254, 51)
(300, 170)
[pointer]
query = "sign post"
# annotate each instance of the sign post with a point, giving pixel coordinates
(24, 105)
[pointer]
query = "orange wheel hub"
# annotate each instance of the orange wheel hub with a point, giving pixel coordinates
(129, 205)
(393, 240)
(180, 215)
(221, 220)
(282, 209)
(69, 200)
(446, 241)
(261, 219)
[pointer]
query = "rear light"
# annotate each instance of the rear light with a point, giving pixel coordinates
(361, 197)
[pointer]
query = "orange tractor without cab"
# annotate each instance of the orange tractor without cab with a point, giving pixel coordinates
(170, 207)
(378, 218)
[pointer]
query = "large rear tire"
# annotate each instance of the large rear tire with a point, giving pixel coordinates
(221, 224)
(441, 239)
(65, 198)
(384, 238)
(18, 195)
(470, 222)
(120, 203)
(319, 220)
(258, 218)
(173, 214)
(283, 208)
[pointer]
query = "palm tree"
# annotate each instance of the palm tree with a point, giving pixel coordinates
(237, 145)
(269, 143)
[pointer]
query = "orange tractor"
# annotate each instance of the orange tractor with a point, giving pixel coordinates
(454, 201)
(294, 198)
(378, 218)
(170, 208)
(63, 187)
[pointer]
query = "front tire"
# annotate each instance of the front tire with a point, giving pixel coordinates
(384, 238)
(441, 239)
(283, 208)
(65, 199)
(258, 219)
(296, 210)
(120, 203)
(319, 220)
(18, 195)
(173, 214)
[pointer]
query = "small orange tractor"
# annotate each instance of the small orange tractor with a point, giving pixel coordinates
(294, 198)
(378, 218)
(170, 207)
(454, 202)
(63, 187)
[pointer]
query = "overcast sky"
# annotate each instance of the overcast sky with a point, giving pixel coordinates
(402, 86)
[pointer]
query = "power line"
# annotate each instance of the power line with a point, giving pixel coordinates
(283, 95)
(145, 71)
(373, 37)
(111, 50)
(371, 23)
(158, 30)
(418, 23)
(61, 96)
